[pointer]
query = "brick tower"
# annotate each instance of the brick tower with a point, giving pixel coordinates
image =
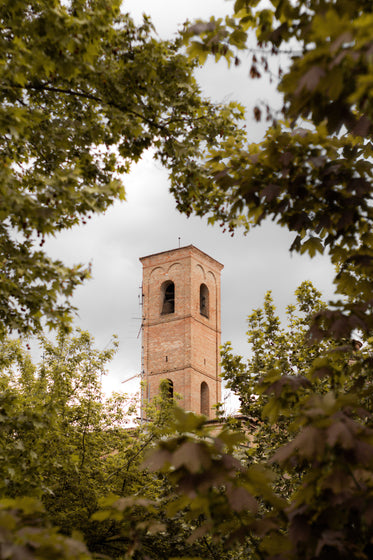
(181, 327)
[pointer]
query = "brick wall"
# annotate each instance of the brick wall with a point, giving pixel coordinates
(182, 346)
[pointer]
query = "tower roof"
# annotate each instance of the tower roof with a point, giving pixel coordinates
(187, 250)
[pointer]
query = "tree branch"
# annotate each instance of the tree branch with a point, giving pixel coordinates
(90, 96)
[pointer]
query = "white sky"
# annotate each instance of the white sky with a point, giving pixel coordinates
(148, 223)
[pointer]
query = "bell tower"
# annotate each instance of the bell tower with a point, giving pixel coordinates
(181, 327)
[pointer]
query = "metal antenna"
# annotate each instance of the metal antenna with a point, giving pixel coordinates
(142, 374)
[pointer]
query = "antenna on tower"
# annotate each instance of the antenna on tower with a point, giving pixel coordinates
(141, 331)
(140, 296)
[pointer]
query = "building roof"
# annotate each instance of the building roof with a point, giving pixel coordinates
(185, 249)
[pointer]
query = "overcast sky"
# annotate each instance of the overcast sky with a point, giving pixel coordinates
(149, 223)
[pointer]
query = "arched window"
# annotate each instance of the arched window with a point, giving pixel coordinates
(170, 389)
(205, 399)
(204, 300)
(168, 297)
(166, 389)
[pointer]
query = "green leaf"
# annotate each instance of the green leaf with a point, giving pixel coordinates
(312, 246)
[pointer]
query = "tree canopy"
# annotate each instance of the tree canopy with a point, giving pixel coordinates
(299, 485)
(277, 351)
(313, 171)
(312, 174)
(65, 447)
(71, 482)
(84, 91)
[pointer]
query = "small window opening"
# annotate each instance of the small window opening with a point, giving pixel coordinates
(204, 361)
(168, 305)
(170, 389)
(204, 300)
(205, 399)
(166, 358)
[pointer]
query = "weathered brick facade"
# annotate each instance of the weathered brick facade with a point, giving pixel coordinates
(181, 326)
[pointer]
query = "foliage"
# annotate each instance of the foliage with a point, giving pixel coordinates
(83, 93)
(207, 493)
(313, 171)
(61, 441)
(24, 536)
(49, 409)
(70, 461)
(313, 175)
(180, 521)
(216, 494)
(275, 351)
(279, 361)
(300, 486)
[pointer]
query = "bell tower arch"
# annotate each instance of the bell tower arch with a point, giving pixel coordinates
(182, 327)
